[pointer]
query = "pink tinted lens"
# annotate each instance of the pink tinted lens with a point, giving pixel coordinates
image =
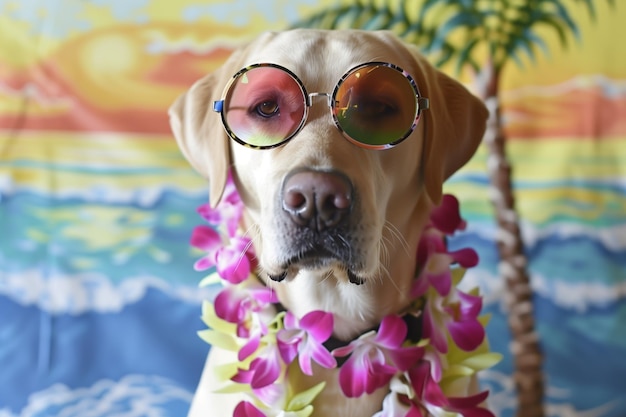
(264, 106)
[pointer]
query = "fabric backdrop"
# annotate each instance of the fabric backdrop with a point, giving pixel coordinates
(99, 304)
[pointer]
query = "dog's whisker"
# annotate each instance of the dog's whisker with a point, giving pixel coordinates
(395, 233)
(326, 276)
(383, 271)
(341, 240)
(252, 232)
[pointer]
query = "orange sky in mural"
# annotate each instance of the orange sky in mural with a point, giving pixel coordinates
(105, 80)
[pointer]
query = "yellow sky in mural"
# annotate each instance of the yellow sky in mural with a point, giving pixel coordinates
(128, 59)
(580, 57)
(30, 31)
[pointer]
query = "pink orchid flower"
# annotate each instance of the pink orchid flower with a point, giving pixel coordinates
(417, 394)
(264, 370)
(458, 313)
(376, 357)
(233, 260)
(428, 396)
(247, 409)
(304, 338)
(227, 212)
(433, 254)
(243, 305)
(447, 216)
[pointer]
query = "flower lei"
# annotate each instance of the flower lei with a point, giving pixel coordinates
(423, 377)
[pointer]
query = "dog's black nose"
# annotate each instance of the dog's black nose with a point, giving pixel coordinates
(317, 199)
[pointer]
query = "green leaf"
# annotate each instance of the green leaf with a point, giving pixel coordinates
(554, 24)
(213, 321)
(219, 339)
(457, 370)
(536, 40)
(482, 361)
(305, 398)
(211, 279)
(465, 56)
(380, 20)
(444, 56)
(559, 21)
(457, 21)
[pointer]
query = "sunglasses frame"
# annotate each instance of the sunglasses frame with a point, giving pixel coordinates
(421, 103)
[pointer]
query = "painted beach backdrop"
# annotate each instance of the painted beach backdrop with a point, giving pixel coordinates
(99, 304)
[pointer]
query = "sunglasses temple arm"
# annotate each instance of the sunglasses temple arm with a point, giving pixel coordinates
(422, 103)
(218, 106)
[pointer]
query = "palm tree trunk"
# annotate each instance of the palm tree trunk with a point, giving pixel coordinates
(528, 374)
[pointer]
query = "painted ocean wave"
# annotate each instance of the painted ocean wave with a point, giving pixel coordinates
(615, 185)
(145, 196)
(599, 203)
(576, 273)
(575, 390)
(92, 291)
(562, 251)
(77, 243)
(580, 297)
(583, 360)
(610, 241)
(72, 236)
(503, 401)
(156, 336)
(130, 396)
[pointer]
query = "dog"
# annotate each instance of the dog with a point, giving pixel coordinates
(325, 213)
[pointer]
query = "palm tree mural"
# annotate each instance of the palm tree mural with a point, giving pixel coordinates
(484, 35)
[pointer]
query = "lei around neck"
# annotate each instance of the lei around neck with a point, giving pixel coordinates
(427, 377)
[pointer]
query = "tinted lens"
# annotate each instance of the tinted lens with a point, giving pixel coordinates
(264, 106)
(376, 105)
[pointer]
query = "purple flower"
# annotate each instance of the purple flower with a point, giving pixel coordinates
(458, 313)
(247, 409)
(264, 370)
(376, 357)
(305, 338)
(428, 396)
(436, 260)
(243, 305)
(466, 331)
(233, 259)
(447, 216)
(228, 212)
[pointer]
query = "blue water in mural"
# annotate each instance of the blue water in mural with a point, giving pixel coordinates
(78, 272)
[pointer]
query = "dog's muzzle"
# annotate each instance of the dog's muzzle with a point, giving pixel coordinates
(316, 208)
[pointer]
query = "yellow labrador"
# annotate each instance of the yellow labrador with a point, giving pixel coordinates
(330, 204)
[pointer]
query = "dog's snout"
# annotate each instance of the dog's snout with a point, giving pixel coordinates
(317, 199)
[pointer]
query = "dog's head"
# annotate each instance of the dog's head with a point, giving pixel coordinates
(324, 213)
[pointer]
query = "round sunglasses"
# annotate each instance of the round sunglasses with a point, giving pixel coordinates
(375, 105)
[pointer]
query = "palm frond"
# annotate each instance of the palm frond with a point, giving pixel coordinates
(457, 21)
(431, 24)
(464, 56)
(358, 15)
(561, 17)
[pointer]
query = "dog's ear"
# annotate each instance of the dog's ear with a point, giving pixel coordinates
(454, 124)
(200, 134)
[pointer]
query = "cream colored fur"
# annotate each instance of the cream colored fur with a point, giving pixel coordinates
(395, 187)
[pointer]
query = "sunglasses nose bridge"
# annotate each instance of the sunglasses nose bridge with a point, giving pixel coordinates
(315, 95)
(327, 96)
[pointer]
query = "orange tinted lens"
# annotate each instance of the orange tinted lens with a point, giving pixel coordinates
(264, 106)
(376, 105)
